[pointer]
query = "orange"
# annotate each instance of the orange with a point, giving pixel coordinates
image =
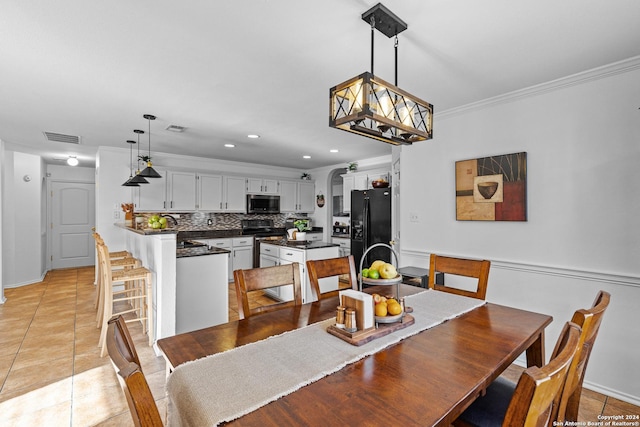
(394, 309)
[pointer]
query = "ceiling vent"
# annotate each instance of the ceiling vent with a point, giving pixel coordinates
(175, 128)
(59, 137)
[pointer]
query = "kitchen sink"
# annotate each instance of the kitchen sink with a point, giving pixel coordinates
(189, 244)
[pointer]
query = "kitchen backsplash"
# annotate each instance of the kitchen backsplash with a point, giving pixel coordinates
(219, 221)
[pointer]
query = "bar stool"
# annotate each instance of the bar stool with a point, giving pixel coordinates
(119, 260)
(136, 292)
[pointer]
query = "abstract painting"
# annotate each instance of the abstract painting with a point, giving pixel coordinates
(492, 188)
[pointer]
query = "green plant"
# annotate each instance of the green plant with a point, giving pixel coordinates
(300, 224)
(352, 166)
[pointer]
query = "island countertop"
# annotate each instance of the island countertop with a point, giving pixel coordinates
(300, 244)
(199, 251)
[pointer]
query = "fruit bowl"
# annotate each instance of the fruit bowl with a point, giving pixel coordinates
(370, 281)
(389, 319)
(379, 184)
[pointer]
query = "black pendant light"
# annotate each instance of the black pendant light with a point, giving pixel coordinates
(128, 183)
(137, 178)
(149, 172)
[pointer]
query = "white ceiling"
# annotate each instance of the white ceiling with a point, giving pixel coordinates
(225, 69)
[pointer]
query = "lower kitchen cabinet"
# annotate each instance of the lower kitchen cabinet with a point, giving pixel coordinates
(345, 246)
(240, 252)
(271, 255)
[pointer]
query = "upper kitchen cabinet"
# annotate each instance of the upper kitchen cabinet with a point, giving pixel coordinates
(262, 186)
(182, 191)
(151, 197)
(297, 196)
(219, 193)
(359, 181)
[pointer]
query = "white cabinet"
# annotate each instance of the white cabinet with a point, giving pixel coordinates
(297, 196)
(278, 255)
(151, 197)
(359, 181)
(219, 193)
(262, 186)
(240, 252)
(345, 245)
(209, 192)
(181, 191)
(314, 237)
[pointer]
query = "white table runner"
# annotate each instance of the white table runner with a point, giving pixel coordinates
(225, 386)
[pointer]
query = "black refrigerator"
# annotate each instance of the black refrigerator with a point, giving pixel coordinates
(370, 224)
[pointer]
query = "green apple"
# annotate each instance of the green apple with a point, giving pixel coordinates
(365, 272)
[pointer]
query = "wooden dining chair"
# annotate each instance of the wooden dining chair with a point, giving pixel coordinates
(322, 268)
(257, 279)
(460, 267)
(589, 320)
(531, 401)
(126, 363)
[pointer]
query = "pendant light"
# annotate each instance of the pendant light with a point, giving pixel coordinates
(149, 172)
(369, 106)
(128, 183)
(137, 178)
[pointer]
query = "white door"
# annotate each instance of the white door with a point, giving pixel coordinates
(72, 216)
(395, 203)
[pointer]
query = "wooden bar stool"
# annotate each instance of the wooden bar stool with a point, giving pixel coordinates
(136, 292)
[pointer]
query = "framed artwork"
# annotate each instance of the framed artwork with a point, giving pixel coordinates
(492, 188)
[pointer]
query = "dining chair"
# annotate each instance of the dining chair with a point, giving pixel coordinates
(531, 401)
(459, 267)
(589, 320)
(256, 279)
(126, 363)
(135, 292)
(322, 268)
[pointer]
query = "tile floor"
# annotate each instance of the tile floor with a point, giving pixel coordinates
(51, 373)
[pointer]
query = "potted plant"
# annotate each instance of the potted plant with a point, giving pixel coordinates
(306, 176)
(303, 226)
(352, 167)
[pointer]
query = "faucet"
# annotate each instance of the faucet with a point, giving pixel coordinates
(175, 221)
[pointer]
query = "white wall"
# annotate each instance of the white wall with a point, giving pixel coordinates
(2, 191)
(22, 225)
(581, 135)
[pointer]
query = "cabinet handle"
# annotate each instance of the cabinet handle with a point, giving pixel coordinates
(289, 254)
(164, 205)
(220, 205)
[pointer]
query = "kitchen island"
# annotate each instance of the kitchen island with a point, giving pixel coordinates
(284, 251)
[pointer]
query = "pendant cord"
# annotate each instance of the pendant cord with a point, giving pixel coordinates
(373, 27)
(395, 48)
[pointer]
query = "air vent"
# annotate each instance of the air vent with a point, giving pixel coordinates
(59, 137)
(175, 128)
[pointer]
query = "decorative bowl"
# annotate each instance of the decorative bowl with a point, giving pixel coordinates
(487, 189)
(378, 183)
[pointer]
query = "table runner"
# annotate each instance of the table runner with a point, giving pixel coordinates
(225, 386)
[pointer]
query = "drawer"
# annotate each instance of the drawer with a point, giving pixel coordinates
(316, 237)
(242, 241)
(269, 250)
(292, 255)
(344, 243)
(220, 243)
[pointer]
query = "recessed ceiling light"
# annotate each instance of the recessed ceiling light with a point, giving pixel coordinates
(72, 161)
(175, 128)
(253, 136)
(229, 145)
(333, 151)
(306, 157)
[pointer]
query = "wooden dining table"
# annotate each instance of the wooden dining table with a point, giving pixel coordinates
(426, 379)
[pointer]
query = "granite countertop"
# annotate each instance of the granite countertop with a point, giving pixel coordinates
(301, 244)
(148, 231)
(199, 251)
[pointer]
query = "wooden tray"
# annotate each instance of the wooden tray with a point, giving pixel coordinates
(362, 337)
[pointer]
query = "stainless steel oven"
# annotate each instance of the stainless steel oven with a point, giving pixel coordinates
(262, 229)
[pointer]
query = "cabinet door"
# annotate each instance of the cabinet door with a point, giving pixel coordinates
(210, 192)
(182, 191)
(268, 261)
(151, 197)
(234, 200)
(361, 181)
(306, 197)
(347, 186)
(270, 186)
(243, 258)
(288, 196)
(254, 185)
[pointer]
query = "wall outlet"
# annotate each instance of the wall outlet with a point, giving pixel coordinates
(414, 217)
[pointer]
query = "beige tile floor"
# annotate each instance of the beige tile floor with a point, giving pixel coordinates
(51, 373)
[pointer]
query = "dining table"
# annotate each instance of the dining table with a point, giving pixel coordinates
(426, 379)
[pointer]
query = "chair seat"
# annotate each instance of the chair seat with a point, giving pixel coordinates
(131, 274)
(490, 409)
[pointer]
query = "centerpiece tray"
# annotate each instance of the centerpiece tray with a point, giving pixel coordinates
(359, 338)
(369, 281)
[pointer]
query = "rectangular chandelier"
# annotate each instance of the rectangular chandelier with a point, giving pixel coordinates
(369, 106)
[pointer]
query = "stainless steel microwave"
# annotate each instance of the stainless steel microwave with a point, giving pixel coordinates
(262, 203)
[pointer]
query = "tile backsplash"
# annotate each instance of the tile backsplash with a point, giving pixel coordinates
(219, 221)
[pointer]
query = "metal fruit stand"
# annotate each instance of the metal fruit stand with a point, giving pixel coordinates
(384, 282)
